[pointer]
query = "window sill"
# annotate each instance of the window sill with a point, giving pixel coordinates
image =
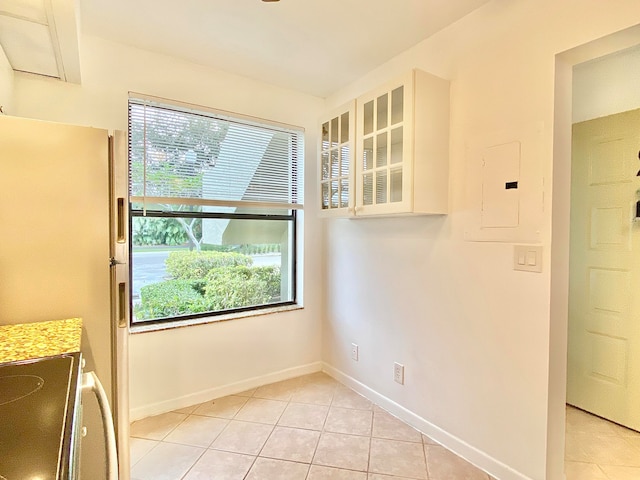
(142, 328)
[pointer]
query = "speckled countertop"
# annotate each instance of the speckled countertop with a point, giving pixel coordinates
(41, 339)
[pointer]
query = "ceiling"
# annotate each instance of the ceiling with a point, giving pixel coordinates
(313, 46)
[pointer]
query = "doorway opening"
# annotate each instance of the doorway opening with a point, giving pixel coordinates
(567, 106)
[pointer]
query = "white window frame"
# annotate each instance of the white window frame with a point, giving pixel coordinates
(294, 207)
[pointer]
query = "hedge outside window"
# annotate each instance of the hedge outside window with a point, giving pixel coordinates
(214, 200)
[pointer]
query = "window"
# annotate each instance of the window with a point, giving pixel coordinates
(214, 202)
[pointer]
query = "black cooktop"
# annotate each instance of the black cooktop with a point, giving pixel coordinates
(37, 404)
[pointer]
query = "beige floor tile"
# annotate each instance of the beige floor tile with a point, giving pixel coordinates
(387, 426)
(346, 420)
(573, 447)
(615, 472)
(167, 461)
(609, 450)
(393, 457)
(139, 447)
(579, 421)
(634, 441)
(380, 476)
(444, 465)
(627, 432)
(217, 465)
(319, 378)
(583, 471)
(247, 393)
(428, 440)
(278, 391)
(316, 420)
(347, 398)
(157, 427)
(261, 410)
(197, 430)
(242, 437)
(225, 407)
(318, 472)
(187, 410)
(270, 469)
(292, 444)
(343, 451)
(314, 393)
(598, 449)
(303, 415)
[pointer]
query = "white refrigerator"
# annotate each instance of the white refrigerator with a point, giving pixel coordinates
(64, 253)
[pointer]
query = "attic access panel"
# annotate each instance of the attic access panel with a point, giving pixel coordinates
(41, 37)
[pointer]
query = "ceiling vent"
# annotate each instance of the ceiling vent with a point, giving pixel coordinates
(41, 37)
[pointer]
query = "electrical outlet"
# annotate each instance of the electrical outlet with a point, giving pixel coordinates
(398, 373)
(354, 352)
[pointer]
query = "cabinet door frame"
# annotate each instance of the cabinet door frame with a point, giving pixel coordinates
(349, 210)
(406, 204)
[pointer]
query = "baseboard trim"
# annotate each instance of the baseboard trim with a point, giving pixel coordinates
(477, 457)
(168, 405)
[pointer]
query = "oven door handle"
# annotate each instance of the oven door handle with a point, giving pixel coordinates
(90, 381)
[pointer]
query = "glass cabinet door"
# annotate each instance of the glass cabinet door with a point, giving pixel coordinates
(382, 154)
(336, 160)
(400, 166)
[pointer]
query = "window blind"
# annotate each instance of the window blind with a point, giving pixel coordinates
(183, 156)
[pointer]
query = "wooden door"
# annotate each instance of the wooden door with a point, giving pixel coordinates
(604, 311)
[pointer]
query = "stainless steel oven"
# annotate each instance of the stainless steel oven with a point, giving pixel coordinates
(41, 418)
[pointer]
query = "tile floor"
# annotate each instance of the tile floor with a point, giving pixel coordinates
(600, 450)
(307, 428)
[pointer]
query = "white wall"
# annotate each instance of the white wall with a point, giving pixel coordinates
(473, 334)
(182, 365)
(6, 83)
(606, 86)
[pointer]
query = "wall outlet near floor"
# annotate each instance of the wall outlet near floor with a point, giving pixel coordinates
(398, 373)
(354, 352)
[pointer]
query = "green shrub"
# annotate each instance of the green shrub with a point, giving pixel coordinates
(247, 249)
(224, 287)
(196, 265)
(158, 231)
(270, 276)
(216, 248)
(241, 286)
(170, 298)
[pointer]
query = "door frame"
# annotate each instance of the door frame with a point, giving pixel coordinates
(560, 228)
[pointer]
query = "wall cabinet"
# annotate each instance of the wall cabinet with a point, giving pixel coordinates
(336, 161)
(401, 158)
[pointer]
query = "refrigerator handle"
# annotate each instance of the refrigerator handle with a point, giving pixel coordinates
(122, 305)
(91, 382)
(121, 236)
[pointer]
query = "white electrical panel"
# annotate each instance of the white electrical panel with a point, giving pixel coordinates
(500, 194)
(505, 186)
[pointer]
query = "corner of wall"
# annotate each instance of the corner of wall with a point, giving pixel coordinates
(6, 83)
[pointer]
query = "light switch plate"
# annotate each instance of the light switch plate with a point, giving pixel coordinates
(532, 256)
(354, 352)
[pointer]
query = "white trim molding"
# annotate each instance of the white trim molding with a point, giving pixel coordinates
(222, 391)
(477, 457)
